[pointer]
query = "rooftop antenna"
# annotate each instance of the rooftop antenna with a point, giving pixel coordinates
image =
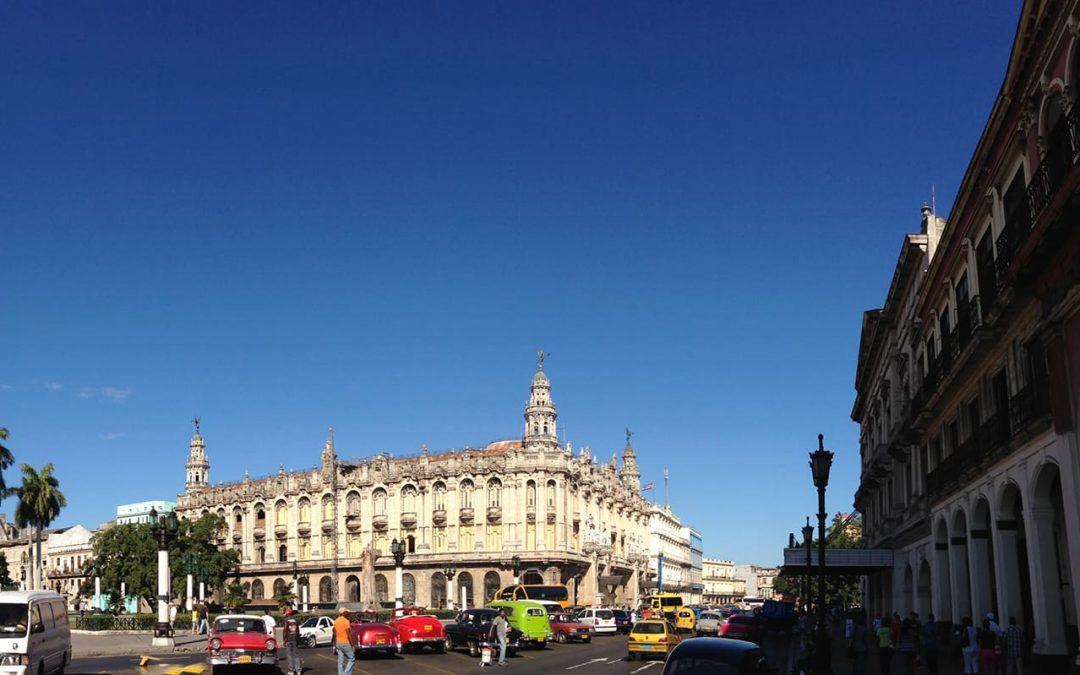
(667, 474)
(933, 200)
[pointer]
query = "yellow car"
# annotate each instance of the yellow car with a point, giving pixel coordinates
(651, 636)
(685, 620)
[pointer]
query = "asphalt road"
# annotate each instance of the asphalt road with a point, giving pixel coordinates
(606, 654)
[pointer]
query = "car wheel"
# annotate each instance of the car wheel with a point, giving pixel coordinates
(474, 648)
(440, 648)
(311, 642)
(632, 656)
(448, 644)
(560, 638)
(391, 653)
(542, 645)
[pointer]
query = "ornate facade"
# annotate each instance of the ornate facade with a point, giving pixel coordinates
(463, 515)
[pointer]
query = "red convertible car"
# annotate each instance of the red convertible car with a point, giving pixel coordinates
(240, 639)
(417, 629)
(372, 636)
(567, 627)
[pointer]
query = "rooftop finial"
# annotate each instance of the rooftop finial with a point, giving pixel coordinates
(196, 421)
(821, 442)
(628, 435)
(330, 434)
(540, 356)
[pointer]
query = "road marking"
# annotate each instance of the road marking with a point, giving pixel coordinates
(617, 659)
(650, 664)
(587, 663)
(417, 662)
(334, 660)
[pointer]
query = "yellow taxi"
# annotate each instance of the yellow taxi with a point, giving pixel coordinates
(685, 620)
(651, 636)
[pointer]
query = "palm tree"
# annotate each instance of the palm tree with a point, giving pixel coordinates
(40, 502)
(6, 460)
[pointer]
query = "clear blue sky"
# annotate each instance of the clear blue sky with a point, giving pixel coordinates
(281, 216)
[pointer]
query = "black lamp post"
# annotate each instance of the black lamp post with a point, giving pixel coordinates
(820, 464)
(164, 529)
(515, 563)
(808, 538)
(449, 573)
(397, 549)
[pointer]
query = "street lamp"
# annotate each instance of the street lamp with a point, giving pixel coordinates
(449, 573)
(808, 538)
(163, 528)
(515, 563)
(397, 549)
(820, 464)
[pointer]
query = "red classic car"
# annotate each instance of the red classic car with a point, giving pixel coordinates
(240, 639)
(417, 629)
(743, 627)
(567, 627)
(372, 636)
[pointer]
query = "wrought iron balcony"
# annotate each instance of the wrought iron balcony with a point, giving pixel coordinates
(1028, 405)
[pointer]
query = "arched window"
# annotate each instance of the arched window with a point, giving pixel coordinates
(354, 546)
(260, 554)
(408, 499)
(440, 540)
(492, 584)
(353, 504)
(257, 589)
(551, 494)
(464, 582)
(381, 593)
(408, 589)
(466, 490)
(281, 513)
(304, 544)
(238, 520)
(328, 507)
(438, 493)
(260, 516)
(283, 553)
(326, 590)
(304, 507)
(438, 590)
(352, 588)
(532, 577)
(410, 544)
(530, 494)
(279, 587)
(494, 488)
(378, 499)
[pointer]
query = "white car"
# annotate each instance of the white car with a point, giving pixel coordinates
(318, 630)
(602, 620)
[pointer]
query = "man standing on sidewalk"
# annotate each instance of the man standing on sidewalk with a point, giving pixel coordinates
(498, 633)
(344, 643)
(290, 635)
(1012, 648)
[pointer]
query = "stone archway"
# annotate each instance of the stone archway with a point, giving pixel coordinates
(352, 588)
(1015, 574)
(924, 591)
(983, 570)
(1048, 547)
(958, 561)
(907, 592)
(943, 572)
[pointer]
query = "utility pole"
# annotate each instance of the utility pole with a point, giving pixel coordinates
(667, 474)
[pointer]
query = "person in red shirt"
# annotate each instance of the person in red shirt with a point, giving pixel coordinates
(290, 634)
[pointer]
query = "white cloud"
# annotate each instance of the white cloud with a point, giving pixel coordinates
(111, 435)
(116, 393)
(6, 387)
(54, 386)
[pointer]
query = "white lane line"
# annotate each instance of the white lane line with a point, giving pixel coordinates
(650, 664)
(587, 663)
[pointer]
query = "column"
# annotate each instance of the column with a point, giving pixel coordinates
(1045, 581)
(978, 557)
(961, 588)
(942, 587)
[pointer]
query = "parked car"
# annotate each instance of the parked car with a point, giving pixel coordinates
(651, 636)
(624, 620)
(743, 627)
(318, 630)
(240, 639)
(417, 629)
(35, 632)
(708, 624)
(471, 628)
(528, 617)
(685, 620)
(602, 620)
(705, 656)
(375, 637)
(568, 627)
(779, 615)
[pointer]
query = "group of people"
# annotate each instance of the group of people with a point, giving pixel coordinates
(916, 645)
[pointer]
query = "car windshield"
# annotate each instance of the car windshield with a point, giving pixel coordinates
(604, 614)
(12, 618)
(670, 602)
(564, 618)
(620, 613)
(240, 625)
(310, 623)
(556, 593)
(648, 628)
(708, 616)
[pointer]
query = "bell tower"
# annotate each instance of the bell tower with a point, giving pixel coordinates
(540, 412)
(630, 475)
(198, 466)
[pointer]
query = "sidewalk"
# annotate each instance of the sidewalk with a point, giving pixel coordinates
(110, 643)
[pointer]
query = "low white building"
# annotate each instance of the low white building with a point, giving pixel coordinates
(67, 553)
(140, 511)
(669, 551)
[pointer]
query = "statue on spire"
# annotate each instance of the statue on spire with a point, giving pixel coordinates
(196, 421)
(628, 435)
(540, 356)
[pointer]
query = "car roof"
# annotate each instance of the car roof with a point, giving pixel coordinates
(238, 616)
(27, 596)
(711, 646)
(514, 603)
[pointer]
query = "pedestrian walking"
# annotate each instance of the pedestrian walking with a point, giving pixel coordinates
(885, 646)
(269, 622)
(290, 635)
(498, 634)
(857, 645)
(172, 618)
(988, 649)
(930, 643)
(344, 643)
(969, 646)
(907, 646)
(204, 619)
(1012, 648)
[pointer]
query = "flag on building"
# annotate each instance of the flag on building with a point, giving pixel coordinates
(648, 486)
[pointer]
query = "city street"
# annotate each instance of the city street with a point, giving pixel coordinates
(604, 655)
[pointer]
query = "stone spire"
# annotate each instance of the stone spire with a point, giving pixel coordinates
(198, 466)
(329, 457)
(540, 412)
(630, 475)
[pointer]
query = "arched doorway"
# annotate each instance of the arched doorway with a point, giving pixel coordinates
(382, 592)
(279, 588)
(532, 577)
(438, 590)
(924, 591)
(492, 585)
(983, 572)
(408, 589)
(326, 590)
(352, 588)
(1050, 559)
(1015, 573)
(465, 589)
(943, 572)
(958, 560)
(907, 601)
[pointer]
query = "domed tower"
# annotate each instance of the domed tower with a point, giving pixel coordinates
(630, 475)
(198, 466)
(540, 412)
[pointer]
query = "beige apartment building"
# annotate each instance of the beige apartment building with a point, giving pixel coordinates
(721, 585)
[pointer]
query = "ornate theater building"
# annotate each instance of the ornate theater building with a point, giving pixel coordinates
(467, 519)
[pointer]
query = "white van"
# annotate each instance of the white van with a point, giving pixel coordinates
(35, 638)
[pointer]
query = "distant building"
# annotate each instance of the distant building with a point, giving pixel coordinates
(758, 579)
(720, 587)
(140, 511)
(67, 553)
(696, 587)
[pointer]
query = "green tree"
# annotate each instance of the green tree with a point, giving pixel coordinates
(6, 460)
(128, 553)
(6, 582)
(285, 598)
(40, 502)
(234, 596)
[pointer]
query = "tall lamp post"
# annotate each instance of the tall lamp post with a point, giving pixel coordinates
(808, 538)
(397, 549)
(164, 529)
(449, 573)
(820, 464)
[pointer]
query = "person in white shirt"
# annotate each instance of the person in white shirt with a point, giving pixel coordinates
(270, 623)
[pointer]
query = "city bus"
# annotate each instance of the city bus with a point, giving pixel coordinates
(539, 592)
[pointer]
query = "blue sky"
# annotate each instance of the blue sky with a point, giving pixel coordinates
(281, 216)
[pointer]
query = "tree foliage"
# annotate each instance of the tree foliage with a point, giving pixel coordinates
(6, 582)
(40, 502)
(234, 596)
(843, 590)
(128, 553)
(285, 598)
(6, 460)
